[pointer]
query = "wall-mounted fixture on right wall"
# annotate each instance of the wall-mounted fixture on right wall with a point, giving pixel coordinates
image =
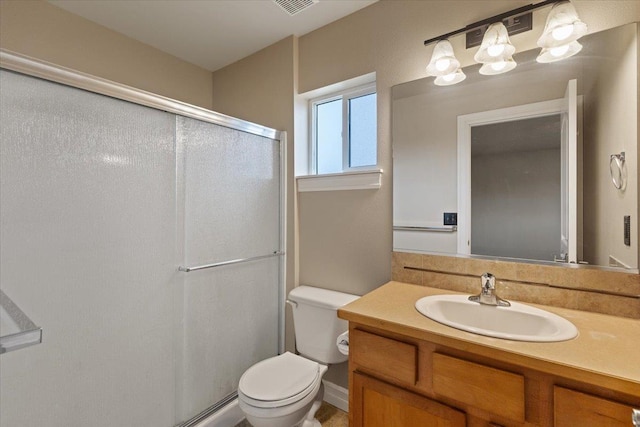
(618, 170)
(558, 41)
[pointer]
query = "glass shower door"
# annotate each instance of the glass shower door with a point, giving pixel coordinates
(229, 215)
(100, 201)
(87, 250)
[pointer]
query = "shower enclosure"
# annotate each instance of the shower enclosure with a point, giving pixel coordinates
(145, 236)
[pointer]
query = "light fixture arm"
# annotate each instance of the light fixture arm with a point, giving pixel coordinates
(497, 18)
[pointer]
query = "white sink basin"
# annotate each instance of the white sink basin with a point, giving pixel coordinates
(519, 322)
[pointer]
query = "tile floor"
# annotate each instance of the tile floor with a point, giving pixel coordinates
(328, 415)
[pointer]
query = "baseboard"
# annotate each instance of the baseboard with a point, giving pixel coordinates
(336, 396)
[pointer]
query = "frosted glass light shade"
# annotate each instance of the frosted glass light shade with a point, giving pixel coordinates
(450, 79)
(563, 26)
(496, 46)
(443, 61)
(557, 53)
(493, 68)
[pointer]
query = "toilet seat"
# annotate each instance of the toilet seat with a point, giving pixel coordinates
(279, 381)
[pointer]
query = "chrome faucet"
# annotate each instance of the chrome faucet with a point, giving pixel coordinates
(487, 295)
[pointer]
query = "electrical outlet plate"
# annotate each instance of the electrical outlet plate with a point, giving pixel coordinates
(627, 230)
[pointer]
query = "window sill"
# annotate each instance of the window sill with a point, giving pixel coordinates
(358, 180)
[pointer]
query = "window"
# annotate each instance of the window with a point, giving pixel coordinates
(343, 132)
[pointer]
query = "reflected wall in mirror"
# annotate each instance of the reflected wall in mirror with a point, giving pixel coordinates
(428, 173)
(515, 157)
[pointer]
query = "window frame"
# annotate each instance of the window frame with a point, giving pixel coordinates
(344, 95)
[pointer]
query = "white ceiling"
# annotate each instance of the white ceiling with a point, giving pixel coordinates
(209, 33)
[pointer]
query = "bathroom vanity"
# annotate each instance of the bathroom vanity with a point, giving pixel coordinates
(408, 370)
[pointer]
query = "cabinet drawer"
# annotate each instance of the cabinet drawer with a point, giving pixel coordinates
(489, 389)
(384, 356)
(572, 408)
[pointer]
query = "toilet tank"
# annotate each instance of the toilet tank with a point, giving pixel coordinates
(316, 322)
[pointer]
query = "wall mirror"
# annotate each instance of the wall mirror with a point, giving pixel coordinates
(497, 151)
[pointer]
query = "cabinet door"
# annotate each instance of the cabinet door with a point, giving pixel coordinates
(378, 404)
(572, 408)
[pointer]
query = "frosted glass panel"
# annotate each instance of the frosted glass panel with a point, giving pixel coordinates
(87, 213)
(232, 192)
(100, 201)
(231, 187)
(231, 322)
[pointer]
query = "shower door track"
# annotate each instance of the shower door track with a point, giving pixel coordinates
(209, 411)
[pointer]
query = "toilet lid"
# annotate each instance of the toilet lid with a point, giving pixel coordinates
(279, 378)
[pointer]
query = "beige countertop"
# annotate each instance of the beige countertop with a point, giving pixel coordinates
(605, 353)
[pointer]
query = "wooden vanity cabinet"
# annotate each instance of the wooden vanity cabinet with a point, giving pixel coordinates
(398, 381)
(384, 405)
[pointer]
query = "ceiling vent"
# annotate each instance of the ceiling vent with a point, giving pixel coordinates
(294, 6)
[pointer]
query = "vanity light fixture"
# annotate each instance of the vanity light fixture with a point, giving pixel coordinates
(558, 41)
(444, 65)
(496, 51)
(443, 61)
(561, 32)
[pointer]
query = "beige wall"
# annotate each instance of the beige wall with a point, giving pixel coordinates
(46, 32)
(610, 117)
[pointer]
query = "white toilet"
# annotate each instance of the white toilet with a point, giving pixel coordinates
(286, 390)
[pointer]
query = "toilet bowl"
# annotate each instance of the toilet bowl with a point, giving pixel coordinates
(287, 390)
(281, 391)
